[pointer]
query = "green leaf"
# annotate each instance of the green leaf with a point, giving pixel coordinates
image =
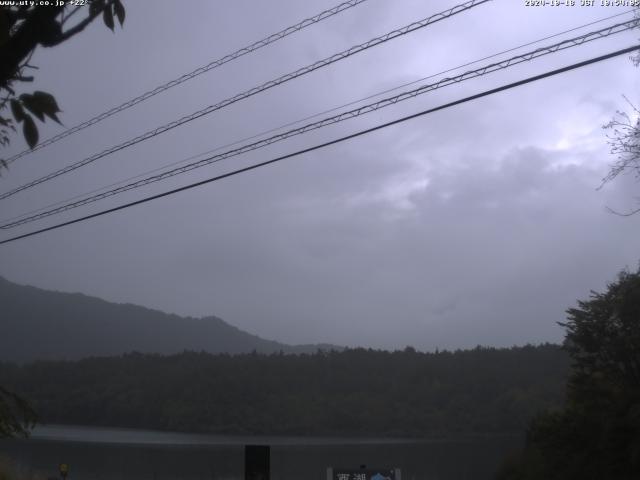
(107, 16)
(48, 100)
(30, 131)
(17, 110)
(47, 104)
(118, 8)
(96, 7)
(41, 104)
(32, 105)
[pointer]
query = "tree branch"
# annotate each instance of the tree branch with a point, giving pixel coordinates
(77, 28)
(31, 32)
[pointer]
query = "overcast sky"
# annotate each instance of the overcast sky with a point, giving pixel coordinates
(480, 224)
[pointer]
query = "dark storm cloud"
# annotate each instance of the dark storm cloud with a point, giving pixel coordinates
(476, 225)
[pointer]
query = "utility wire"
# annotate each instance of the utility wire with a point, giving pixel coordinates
(332, 142)
(265, 86)
(198, 71)
(310, 117)
(570, 43)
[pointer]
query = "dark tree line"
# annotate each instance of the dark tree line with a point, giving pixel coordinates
(354, 392)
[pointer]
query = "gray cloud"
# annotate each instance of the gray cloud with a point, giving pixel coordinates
(480, 224)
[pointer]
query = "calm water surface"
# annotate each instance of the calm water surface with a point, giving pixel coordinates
(119, 454)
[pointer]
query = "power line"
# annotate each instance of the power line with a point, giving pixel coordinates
(198, 71)
(332, 142)
(265, 86)
(315, 115)
(565, 44)
(338, 118)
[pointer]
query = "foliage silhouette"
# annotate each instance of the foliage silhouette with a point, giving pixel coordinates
(597, 433)
(23, 28)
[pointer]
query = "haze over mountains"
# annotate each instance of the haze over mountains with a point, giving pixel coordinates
(358, 392)
(46, 325)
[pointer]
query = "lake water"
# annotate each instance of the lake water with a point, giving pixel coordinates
(119, 454)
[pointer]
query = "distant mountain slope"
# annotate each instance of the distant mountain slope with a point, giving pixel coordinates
(39, 324)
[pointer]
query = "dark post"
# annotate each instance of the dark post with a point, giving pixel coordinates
(257, 462)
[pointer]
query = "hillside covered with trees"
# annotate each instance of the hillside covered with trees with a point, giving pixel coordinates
(71, 326)
(353, 392)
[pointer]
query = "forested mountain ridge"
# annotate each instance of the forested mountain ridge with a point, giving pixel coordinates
(45, 325)
(353, 392)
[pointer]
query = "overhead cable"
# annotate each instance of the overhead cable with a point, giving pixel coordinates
(188, 76)
(253, 91)
(331, 142)
(539, 52)
(310, 117)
